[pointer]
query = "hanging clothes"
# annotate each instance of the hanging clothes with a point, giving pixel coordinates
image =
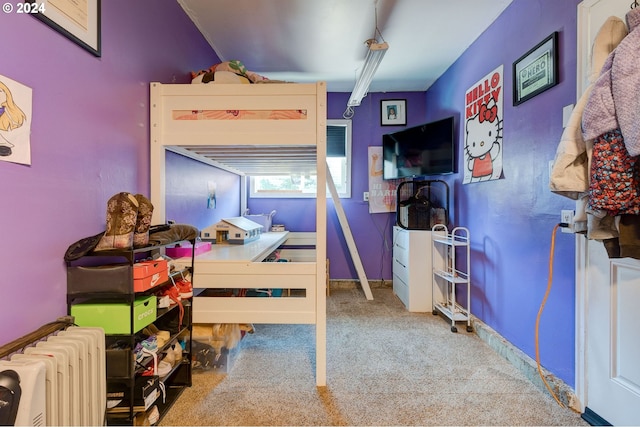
(629, 240)
(571, 165)
(610, 120)
(615, 177)
(614, 102)
(570, 172)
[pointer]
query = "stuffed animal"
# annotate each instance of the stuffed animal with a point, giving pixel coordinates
(227, 72)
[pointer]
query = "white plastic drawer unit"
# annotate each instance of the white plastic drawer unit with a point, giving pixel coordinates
(412, 273)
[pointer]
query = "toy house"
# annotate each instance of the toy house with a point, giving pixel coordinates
(237, 230)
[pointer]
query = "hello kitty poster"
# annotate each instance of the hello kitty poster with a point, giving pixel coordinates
(483, 129)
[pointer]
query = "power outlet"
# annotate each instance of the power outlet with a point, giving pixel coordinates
(566, 217)
(365, 196)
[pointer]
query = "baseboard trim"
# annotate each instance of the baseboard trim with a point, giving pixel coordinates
(527, 365)
(355, 284)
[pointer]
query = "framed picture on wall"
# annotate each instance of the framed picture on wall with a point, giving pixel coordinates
(78, 20)
(536, 71)
(393, 112)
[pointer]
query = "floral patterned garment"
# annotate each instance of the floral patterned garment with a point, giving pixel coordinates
(615, 179)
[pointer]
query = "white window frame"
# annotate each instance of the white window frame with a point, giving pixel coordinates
(344, 187)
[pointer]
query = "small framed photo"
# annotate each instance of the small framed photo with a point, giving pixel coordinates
(79, 21)
(393, 112)
(536, 71)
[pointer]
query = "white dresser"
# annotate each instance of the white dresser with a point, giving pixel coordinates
(412, 271)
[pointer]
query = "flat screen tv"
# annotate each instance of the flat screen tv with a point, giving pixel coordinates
(428, 149)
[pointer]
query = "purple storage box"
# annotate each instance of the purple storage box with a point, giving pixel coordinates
(184, 250)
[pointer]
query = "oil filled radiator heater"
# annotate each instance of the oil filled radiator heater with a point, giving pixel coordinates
(54, 376)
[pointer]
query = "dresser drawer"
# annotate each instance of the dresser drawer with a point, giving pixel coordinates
(401, 270)
(401, 289)
(401, 255)
(401, 239)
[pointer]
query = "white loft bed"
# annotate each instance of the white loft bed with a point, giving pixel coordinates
(275, 127)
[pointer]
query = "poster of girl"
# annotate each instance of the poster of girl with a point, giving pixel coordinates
(14, 133)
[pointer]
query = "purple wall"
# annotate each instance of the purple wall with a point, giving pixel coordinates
(511, 220)
(89, 140)
(187, 192)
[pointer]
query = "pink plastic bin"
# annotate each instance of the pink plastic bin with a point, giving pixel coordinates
(184, 250)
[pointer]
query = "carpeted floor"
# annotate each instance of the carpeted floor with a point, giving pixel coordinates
(385, 366)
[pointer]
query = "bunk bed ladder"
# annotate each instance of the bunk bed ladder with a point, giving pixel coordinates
(353, 250)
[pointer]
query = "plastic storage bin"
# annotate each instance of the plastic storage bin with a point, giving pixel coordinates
(264, 220)
(184, 249)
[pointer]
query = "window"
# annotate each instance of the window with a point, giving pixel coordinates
(304, 185)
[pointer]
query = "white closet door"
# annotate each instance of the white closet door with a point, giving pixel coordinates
(612, 344)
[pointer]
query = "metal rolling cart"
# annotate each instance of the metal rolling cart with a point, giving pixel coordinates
(451, 267)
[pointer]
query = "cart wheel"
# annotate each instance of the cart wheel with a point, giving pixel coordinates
(434, 312)
(469, 328)
(454, 329)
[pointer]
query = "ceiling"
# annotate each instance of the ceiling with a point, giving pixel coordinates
(324, 40)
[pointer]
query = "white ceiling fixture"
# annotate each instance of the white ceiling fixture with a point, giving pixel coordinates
(321, 40)
(375, 53)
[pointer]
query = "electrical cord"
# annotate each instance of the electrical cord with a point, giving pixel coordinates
(544, 301)
(385, 242)
(385, 246)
